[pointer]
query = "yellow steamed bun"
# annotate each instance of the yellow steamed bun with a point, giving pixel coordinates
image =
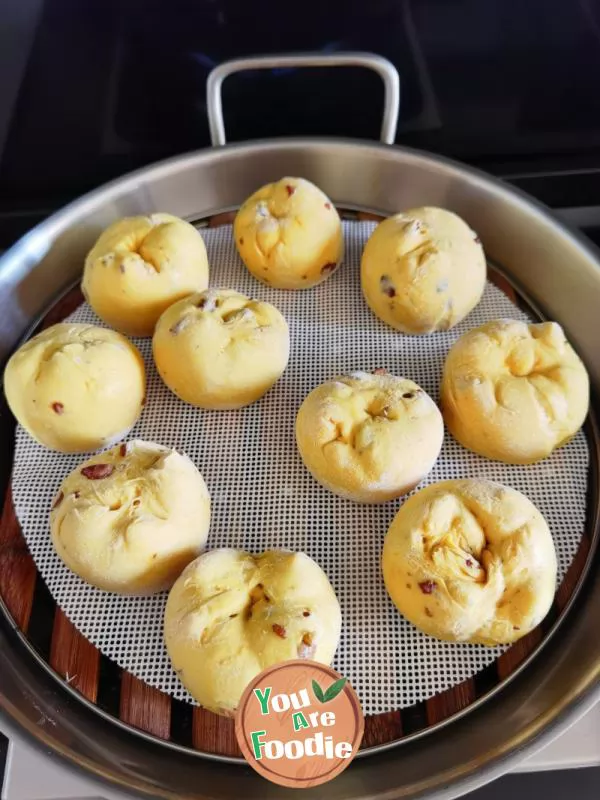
(130, 519)
(289, 234)
(423, 270)
(230, 615)
(470, 561)
(76, 387)
(140, 266)
(220, 349)
(513, 391)
(369, 437)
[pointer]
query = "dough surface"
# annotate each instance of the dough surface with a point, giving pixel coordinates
(289, 234)
(513, 391)
(230, 615)
(470, 561)
(130, 519)
(140, 266)
(423, 270)
(76, 387)
(219, 349)
(369, 437)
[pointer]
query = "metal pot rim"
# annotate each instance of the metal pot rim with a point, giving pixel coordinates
(448, 783)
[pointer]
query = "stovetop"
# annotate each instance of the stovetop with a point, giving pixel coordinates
(92, 90)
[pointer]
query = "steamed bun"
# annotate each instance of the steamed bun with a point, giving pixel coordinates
(140, 266)
(289, 234)
(423, 270)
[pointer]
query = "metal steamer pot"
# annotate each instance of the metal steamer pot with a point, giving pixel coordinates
(559, 272)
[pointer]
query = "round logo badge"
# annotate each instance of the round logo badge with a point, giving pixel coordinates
(299, 723)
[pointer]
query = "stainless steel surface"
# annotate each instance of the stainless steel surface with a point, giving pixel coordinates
(557, 268)
(384, 68)
(38, 774)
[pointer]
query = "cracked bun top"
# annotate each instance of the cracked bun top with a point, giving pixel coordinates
(423, 270)
(220, 349)
(231, 614)
(289, 234)
(514, 391)
(470, 561)
(140, 266)
(369, 437)
(131, 518)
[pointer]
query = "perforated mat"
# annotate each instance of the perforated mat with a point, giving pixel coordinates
(264, 498)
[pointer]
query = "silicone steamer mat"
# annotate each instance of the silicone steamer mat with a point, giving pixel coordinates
(264, 498)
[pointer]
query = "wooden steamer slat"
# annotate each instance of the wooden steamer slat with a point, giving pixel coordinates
(74, 657)
(221, 219)
(576, 567)
(71, 300)
(446, 704)
(145, 707)
(500, 281)
(17, 568)
(214, 734)
(382, 728)
(515, 655)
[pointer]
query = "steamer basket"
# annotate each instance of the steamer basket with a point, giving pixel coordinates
(73, 700)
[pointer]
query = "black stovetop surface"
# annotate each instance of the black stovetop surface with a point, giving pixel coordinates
(91, 90)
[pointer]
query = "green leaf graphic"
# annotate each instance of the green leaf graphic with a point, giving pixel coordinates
(318, 692)
(334, 690)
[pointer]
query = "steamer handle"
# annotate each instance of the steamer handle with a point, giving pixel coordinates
(384, 68)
